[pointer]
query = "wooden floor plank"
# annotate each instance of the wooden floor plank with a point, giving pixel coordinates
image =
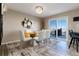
(55, 48)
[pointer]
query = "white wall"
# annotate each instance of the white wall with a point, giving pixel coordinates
(70, 14)
(12, 24)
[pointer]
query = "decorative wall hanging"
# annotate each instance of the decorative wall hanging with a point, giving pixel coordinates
(26, 23)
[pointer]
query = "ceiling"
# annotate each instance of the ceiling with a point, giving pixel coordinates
(49, 8)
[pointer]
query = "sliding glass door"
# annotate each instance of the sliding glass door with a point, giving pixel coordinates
(59, 28)
(53, 27)
(62, 28)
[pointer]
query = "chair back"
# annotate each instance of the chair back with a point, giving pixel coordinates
(21, 36)
(41, 35)
(72, 34)
(48, 34)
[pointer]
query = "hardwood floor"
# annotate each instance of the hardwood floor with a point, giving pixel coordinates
(3, 50)
(53, 48)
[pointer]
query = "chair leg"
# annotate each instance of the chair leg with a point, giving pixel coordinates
(70, 42)
(49, 40)
(38, 42)
(76, 45)
(73, 42)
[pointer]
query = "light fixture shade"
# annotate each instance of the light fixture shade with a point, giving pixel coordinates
(39, 10)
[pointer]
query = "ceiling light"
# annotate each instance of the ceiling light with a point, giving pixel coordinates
(39, 10)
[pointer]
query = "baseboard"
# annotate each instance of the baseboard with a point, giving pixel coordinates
(10, 42)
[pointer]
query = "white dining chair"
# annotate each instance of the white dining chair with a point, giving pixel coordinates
(48, 36)
(21, 37)
(41, 37)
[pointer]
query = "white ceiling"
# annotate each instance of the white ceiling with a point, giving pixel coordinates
(49, 8)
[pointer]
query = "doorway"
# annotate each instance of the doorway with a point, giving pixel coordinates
(1, 24)
(59, 28)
